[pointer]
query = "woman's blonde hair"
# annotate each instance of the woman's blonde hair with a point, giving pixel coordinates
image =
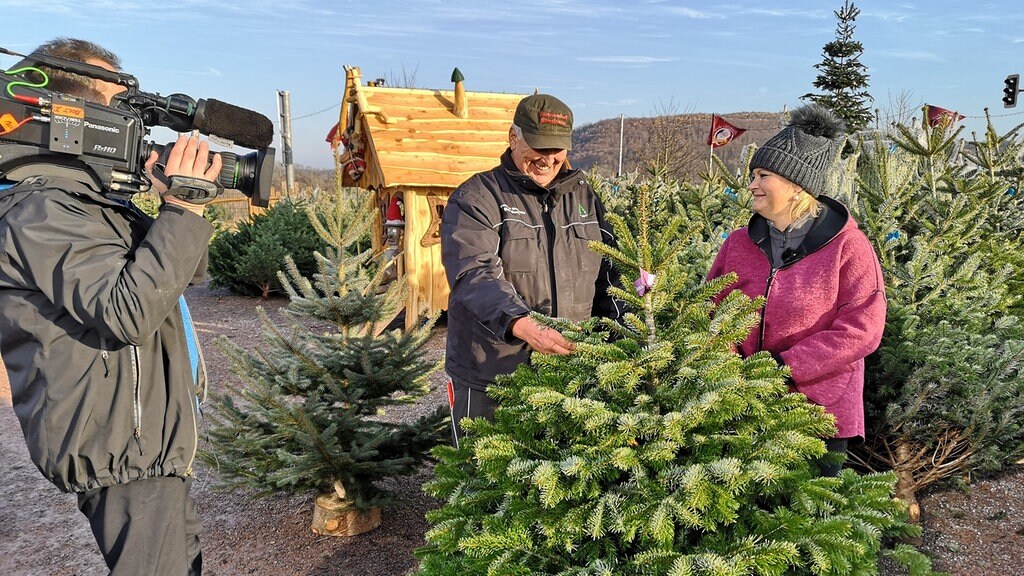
(807, 204)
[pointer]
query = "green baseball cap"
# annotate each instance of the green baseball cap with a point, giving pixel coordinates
(546, 122)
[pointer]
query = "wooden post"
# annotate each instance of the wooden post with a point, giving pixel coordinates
(284, 102)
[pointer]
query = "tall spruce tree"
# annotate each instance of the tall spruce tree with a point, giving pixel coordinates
(655, 449)
(310, 410)
(944, 392)
(842, 78)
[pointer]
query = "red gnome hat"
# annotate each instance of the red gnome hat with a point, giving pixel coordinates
(393, 214)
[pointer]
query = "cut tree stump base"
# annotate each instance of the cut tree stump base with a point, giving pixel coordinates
(333, 516)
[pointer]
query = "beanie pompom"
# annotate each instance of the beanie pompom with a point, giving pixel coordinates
(818, 121)
(803, 151)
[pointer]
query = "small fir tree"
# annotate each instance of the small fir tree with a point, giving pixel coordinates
(842, 78)
(310, 410)
(655, 449)
(249, 259)
(944, 392)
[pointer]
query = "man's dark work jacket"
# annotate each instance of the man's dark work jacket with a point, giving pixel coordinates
(92, 334)
(509, 247)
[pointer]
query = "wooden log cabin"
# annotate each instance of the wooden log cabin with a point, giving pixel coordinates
(410, 148)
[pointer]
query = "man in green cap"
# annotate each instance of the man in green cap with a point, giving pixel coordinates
(514, 240)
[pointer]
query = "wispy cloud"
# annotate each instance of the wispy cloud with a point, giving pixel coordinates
(581, 8)
(694, 14)
(209, 72)
(642, 60)
(909, 55)
(887, 16)
(792, 13)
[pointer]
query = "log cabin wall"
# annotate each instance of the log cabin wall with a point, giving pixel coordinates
(428, 287)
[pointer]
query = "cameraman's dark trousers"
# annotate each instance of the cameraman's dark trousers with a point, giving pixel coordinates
(467, 402)
(146, 527)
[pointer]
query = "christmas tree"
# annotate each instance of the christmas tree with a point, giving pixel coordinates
(842, 77)
(655, 449)
(310, 411)
(944, 391)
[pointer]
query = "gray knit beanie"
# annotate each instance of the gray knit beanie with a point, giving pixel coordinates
(803, 151)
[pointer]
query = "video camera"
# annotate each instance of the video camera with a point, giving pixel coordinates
(49, 133)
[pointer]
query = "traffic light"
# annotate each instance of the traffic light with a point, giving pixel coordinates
(1010, 91)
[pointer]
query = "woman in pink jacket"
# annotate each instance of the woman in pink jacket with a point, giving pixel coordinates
(824, 306)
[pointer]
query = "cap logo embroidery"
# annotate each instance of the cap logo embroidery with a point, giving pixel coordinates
(554, 118)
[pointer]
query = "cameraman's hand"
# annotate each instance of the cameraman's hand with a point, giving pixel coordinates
(156, 186)
(187, 158)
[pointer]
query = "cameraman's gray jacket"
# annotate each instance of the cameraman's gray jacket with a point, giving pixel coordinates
(509, 247)
(92, 335)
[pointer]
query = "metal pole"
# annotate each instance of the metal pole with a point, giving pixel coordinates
(284, 103)
(711, 156)
(622, 126)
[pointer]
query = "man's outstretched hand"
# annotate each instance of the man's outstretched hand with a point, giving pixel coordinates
(541, 338)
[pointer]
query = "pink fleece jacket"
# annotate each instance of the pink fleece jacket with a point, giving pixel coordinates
(824, 313)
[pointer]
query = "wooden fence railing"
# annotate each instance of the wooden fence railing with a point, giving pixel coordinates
(237, 207)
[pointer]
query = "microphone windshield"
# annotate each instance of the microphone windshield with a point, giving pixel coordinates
(244, 127)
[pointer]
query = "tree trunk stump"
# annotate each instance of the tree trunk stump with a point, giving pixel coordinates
(333, 516)
(906, 486)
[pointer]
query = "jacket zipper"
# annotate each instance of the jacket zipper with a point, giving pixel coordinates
(105, 356)
(764, 309)
(549, 229)
(137, 400)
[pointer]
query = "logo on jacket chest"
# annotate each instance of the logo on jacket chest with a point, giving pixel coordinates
(512, 210)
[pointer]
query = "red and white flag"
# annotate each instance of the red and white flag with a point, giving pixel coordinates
(722, 132)
(940, 117)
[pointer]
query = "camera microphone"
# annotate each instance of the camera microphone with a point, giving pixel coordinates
(243, 127)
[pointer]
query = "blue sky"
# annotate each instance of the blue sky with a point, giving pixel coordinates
(603, 57)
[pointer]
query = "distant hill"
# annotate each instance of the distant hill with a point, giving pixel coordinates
(676, 142)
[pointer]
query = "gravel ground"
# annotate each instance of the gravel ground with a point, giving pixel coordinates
(978, 532)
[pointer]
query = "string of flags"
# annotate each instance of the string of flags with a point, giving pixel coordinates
(722, 132)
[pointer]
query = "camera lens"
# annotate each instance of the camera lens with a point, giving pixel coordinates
(250, 174)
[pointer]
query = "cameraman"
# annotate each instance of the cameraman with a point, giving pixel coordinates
(104, 368)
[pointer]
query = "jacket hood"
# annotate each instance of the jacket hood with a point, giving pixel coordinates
(834, 219)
